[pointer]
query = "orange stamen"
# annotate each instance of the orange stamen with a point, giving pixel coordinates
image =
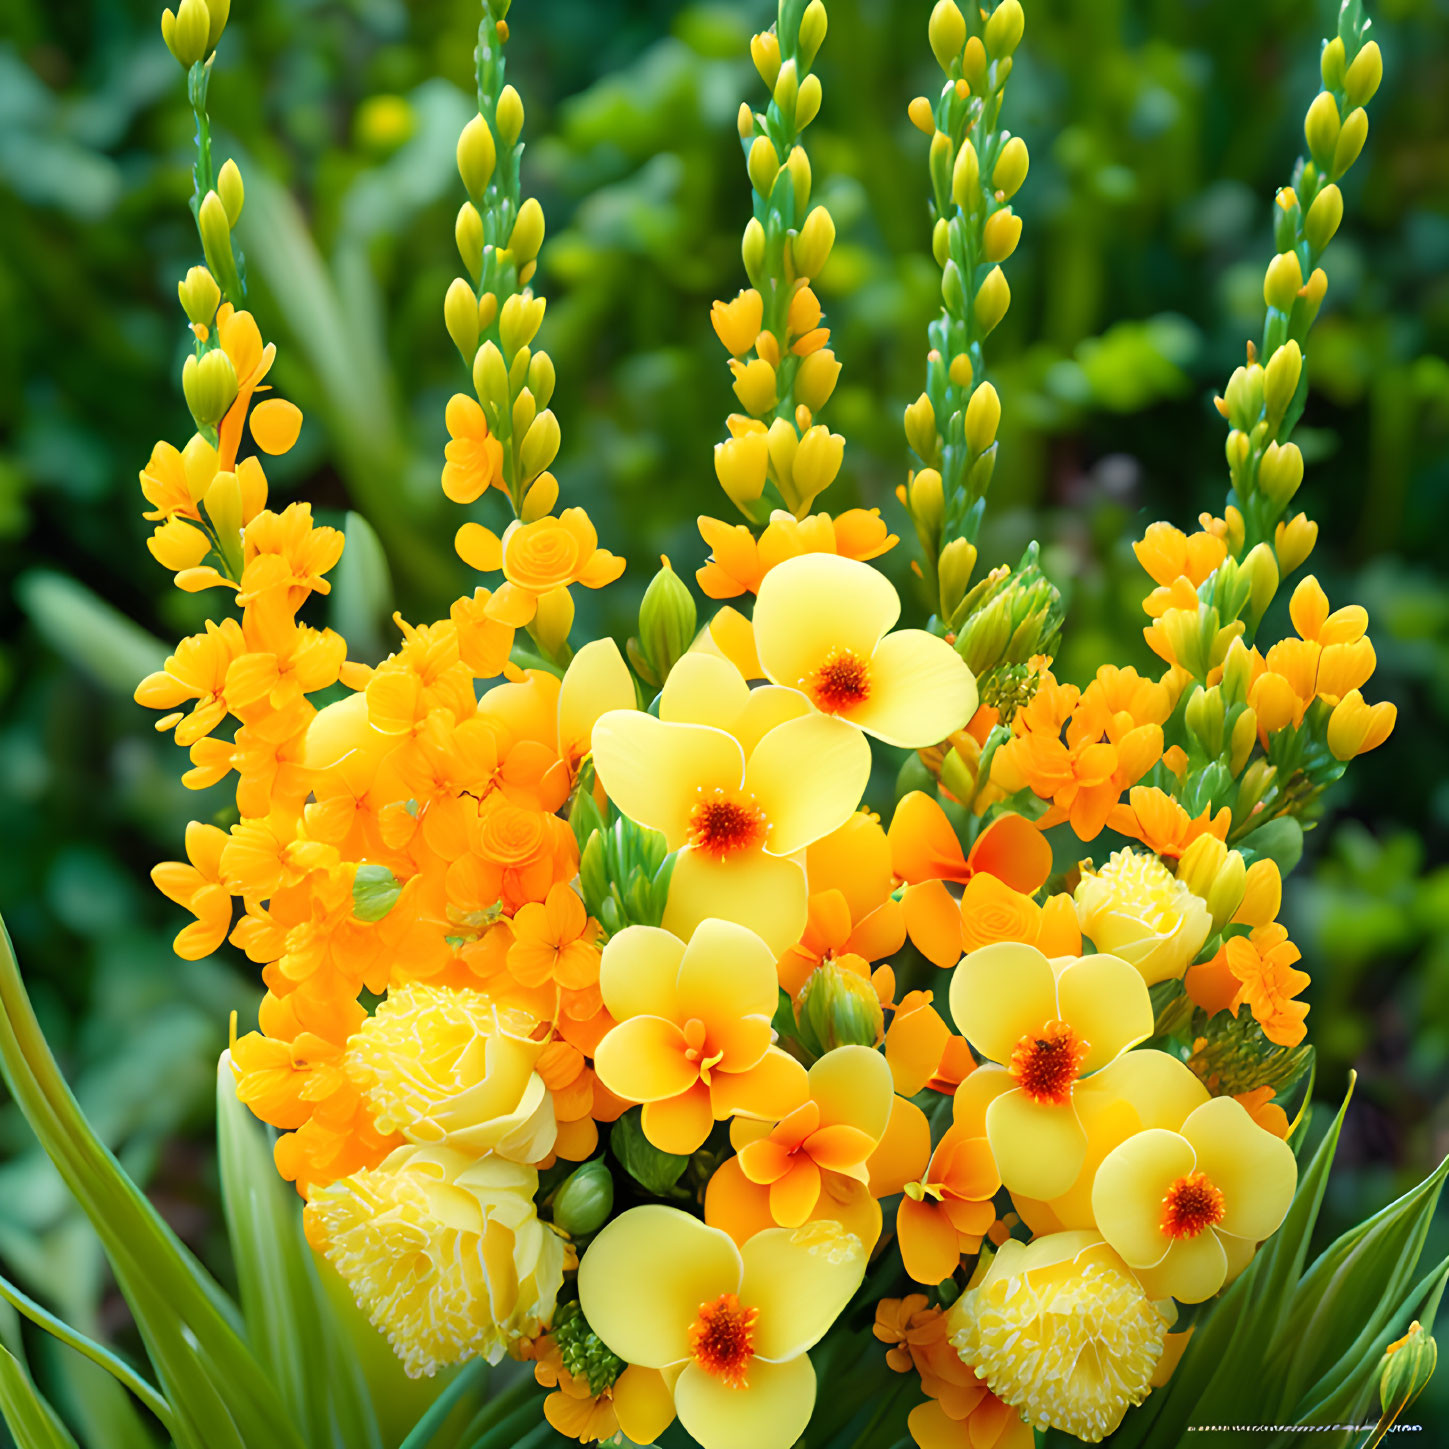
(1047, 1062)
(722, 1339)
(723, 825)
(841, 683)
(1192, 1205)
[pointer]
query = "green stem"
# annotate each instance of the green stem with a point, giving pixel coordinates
(422, 1432)
(502, 1435)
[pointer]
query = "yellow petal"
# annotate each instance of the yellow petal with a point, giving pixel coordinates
(703, 689)
(727, 973)
(1254, 1170)
(769, 1091)
(800, 1279)
(643, 1060)
(975, 1093)
(637, 972)
(735, 1204)
(852, 1086)
(920, 691)
(1129, 1189)
(1107, 1003)
(999, 994)
(644, 1404)
(1193, 1270)
(904, 1150)
(764, 892)
(596, 681)
(677, 1124)
(1039, 1148)
(770, 1412)
(809, 607)
(643, 1278)
(653, 771)
(808, 776)
(1161, 1089)
(769, 705)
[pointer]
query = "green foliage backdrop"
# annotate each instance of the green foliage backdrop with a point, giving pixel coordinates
(1158, 130)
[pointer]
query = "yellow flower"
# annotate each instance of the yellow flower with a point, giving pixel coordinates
(444, 1253)
(1050, 1023)
(731, 1326)
(693, 1036)
(1062, 1331)
(737, 781)
(1185, 1208)
(1135, 908)
(439, 1065)
(821, 626)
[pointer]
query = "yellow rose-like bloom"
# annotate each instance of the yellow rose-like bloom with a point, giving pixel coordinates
(1135, 908)
(734, 1324)
(822, 626)
(1062, 1331)
(737, 781)
(439, 1065)
(693, 1036)
(1185, 1207)
(443, 1252)
(1050, 1023)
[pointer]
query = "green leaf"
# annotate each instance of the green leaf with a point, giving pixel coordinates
(33, 1424)
(362, 595)
(375, 890)
(289, 1323)
(655, 1171)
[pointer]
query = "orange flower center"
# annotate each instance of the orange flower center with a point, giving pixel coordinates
(841, 683)
(1047, 1062)
(722, 825)
(722, 1339)
(1192, 1205)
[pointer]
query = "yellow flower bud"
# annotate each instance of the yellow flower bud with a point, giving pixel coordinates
(1293, 541)
(520, 320)
(973, 63)
(540, 445)
(1005, 27)
(807, 104)
(1332, 65)
(477, 156)
(200, 296)
(1261, 571)
(983, 416)
(468, 234)
(941, 241)
(1280, 380)
(740, 465)
(188, 32)
(229, 188)
(745, 121)
(961, 372)
(552, 622)
(540, 498)
(763, 165)
(922, 117)
(490, 377)
(1011, 167)
(752, 249)
(1200, 863)
(1282, 281)
(1245, 736)
(460, 317)
(1350, 142)
(765, 52)
(1280, 471)
(786, 88)
(817, 461)
(947, 34)
(798, 165)
(755, 385)
(926, 499)
(209, 385)
(813, 25)
(815, 380)
(920, 421)
(487, 311)
(1314, 291)
(1323, 218)
(954, 568)
(525, 409)
(1321, 127)
(1262, 895)
(813, 245)
(966, 178)
(541, 377)
(509, 115)
(1355, 727)
(1364, 75)
(1237, 449)
(176, 545)
(992, 300)
(527, 234)
(215, 235)
(220, 11)
(1001, 234)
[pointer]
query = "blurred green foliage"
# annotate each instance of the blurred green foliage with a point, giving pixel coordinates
(1158, 130)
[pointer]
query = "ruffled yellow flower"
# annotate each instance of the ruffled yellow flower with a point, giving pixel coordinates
(1185, 1208)
(1062, 1331)
(443, 1252)
(1050, 1024)
(693, 1036)
(439, 1065)
(730, 1326)
(822, 626)
(1135, 908)
(737, 781)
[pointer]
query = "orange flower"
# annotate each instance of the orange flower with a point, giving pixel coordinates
(1168, 554)
(475, 456)
(921, 1049)
(198, 887)
(197, 671)
(1162, 825)
(1268, 981)
(286, 555)
(637, 1403)
(738, 563)
(554, 941)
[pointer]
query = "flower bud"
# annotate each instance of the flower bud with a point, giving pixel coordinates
(1280, 471)
(1001, 234)
(815, 380)
(807, 103)
(786, 88)
(763, 165)
(540, 445)
(200, 296)
(1293, 541)
(224, 509)
(966, 178)
(229, 188)
(1281, 282)
(752, 251)
(468, 234)
(920, 421)
(1350, 142)
(740, 465)
(477, 156)
(460, 317)
(922, 117)
(813, 245)
(765, 52)
(973, 63)
(813, 25)
(490, 378)
(1280, 381)
(527, 234)
(1323, 217)
(509, 116)
(955, 567)
(839, 1007)
(992, 300)
(583, 1203)
(926, 499)
(797, 163)
(1244, 396)
(519, 322)
(1321, 127)
(1244, 737)
(1408, 1365)
(1004, 29)
(1355, 727)
(209, 385)
(983, 417)
(540, 498)
(1261, 570)
(555, 617)
(1314, 291)
(1204, 719)
(1332, 64)
(215, 232)
(188, 32)
(755, 385)
(1363, 77)
(668, 620)
(1011, 168)
(946, 31)
(1262, 894)
(815, 465)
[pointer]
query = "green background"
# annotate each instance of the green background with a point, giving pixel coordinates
(1158, 130)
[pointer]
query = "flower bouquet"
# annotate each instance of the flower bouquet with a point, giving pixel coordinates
(788, 1027)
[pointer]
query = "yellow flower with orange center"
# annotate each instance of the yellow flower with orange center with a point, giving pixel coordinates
(822, 626)
(730, 1326)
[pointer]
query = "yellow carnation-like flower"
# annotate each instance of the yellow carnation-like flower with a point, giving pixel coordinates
(1135, 908)
(439, 1065)
(444, 1253)
(1062, 1331)
(729, 1326)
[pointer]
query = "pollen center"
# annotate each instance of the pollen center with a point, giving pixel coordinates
(723, 824)
(722, 1339)
(1047, 1062)
(841, 683)
(1192, 1205)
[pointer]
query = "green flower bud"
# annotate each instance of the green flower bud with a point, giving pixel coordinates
(1408, 1365)
(582, 1350)
(1323, 218)
(200, 296)
(229, 188)
(583, 1203)
(211, 220)
(1364, 75)
(1350, 142)
(668, 620)
(1005, 27)
(210, 386)
(509, 116)
(1204, 719)
(477, 156)
(947, 34)
(836, 1007)
(1332, 64)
